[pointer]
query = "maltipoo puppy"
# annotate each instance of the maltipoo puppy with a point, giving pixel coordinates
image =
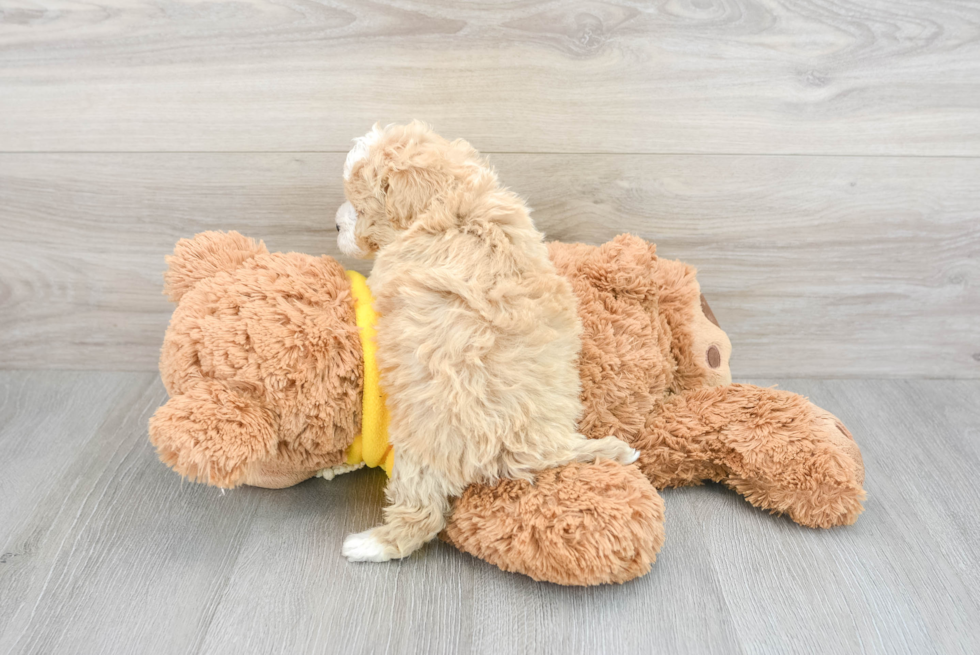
(478, 336)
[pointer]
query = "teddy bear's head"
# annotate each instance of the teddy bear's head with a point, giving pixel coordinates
(404, 176)
(263, 363)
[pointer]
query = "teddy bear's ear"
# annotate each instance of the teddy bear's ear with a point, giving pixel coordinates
(203, 256)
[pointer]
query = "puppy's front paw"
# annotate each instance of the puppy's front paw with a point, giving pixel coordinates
(365, 547)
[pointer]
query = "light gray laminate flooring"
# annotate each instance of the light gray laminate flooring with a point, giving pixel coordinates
(104, 550)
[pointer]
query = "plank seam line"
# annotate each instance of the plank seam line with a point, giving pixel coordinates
(490, 152)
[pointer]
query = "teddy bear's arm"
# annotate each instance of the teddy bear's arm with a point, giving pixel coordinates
(776, 448)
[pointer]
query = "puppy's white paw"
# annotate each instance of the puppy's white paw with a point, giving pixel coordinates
(364, 547)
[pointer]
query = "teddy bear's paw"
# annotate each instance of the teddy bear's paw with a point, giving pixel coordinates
(824, 490)
(365, 547)
(829, 428)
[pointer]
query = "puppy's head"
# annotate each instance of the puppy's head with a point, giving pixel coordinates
(399, 177)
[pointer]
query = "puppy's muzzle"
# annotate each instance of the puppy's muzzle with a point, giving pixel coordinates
(346, 219)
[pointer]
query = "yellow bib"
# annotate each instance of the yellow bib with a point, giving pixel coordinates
(371, 445)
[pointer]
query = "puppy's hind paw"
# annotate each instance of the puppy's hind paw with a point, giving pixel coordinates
(365, 547)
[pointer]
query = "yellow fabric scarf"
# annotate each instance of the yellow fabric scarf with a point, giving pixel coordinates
(371, 445)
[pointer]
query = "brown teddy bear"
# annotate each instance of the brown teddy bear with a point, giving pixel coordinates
(266, 368)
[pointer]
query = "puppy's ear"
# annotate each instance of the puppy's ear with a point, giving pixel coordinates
(421, 175)
(411, 191)
(371, 233)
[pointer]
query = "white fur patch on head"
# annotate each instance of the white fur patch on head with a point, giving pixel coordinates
(346, 240)
(362, 146)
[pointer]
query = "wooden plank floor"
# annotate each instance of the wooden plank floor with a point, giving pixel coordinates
(104, 550)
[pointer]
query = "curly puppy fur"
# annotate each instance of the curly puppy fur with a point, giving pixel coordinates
(478, 335)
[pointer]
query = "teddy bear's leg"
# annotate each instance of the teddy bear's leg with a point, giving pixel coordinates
(776, 448)
(213, 432)
(580, 524)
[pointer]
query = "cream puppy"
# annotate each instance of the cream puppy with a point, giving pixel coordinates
(478, 336)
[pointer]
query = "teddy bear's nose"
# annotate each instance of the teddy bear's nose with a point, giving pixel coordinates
(338, 227)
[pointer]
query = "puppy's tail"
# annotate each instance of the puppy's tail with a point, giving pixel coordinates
(606, 448)
(207, 254)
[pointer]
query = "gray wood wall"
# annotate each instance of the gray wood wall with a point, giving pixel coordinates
(820, 164)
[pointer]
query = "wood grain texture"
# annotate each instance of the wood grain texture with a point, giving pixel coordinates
(110, 552)
(106, 560)
(706, 76)
(816, 266)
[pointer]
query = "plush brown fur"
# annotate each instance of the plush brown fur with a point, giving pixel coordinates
(580, 524)
(646, 376)
(262, 361)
